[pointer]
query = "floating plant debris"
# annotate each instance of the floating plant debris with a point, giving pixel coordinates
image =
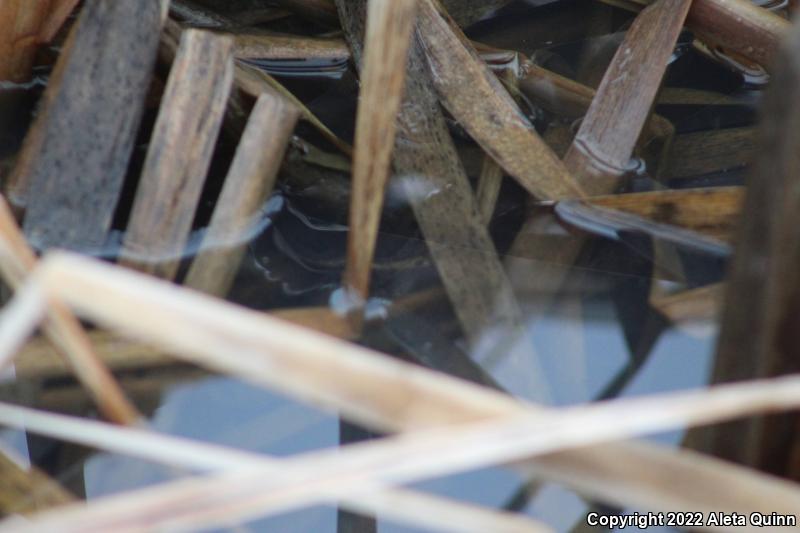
(338, 265)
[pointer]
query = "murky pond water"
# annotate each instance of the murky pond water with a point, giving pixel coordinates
(597, 335)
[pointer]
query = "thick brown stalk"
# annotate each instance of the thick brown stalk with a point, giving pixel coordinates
(759, 335)
(249, 181)
(606, 139)
(477, 99)
(180, 153)
(78, 178)
(387, 41)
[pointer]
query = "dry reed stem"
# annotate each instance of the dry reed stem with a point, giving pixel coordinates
(250, 180)
(17, 260)
(387, 42)
(402, 505)
(362, 468)
(477, 99)
(181, 148)
(299, 362)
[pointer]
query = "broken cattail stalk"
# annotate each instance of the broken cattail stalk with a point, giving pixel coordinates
(387, 41)
(759, 329)
(250, 180)
(603, 146)
(27, 24)
(172, 179)
(175, 451)
(62, 328)
(477, 99)
(78, 178)
(201, 327)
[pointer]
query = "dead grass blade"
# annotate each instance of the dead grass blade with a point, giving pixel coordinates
(301, 363)
(477, 99)
(272, 46)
